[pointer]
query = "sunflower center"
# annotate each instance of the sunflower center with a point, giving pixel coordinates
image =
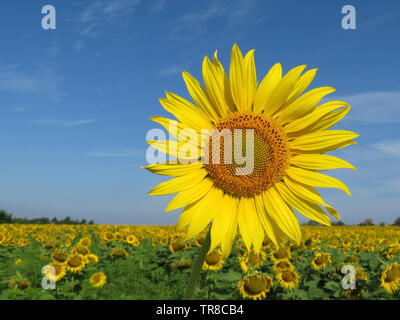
(247, 154)
(254, 259)
(76, 261)
(256, 284)
(213, 258)
(288, 276)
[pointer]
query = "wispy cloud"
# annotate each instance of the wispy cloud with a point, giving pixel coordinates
(390, 147)
(230, 13)
(60, 122)
(18, 109)
(171, 70)
(40, 80)
(124, 153)
(103, 12)
(374, 107)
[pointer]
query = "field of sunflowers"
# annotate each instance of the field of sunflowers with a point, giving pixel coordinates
(153, 262)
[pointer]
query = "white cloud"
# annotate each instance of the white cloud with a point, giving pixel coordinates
(40, 80)
(18, 109)
(60, 122)
(390, 147)
(231, 13)
(171, 70)
(374, 107)
(103, 12)
(125, 153)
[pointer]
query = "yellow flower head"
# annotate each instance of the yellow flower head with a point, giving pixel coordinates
(281, 129)
(98, 279)
(255, 286)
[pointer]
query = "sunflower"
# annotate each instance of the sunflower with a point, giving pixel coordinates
(86, 242)
(119, 253)
(280, 254)
(181, 265)
(59, 256)
(92, 258)
(251, 259)
(130, 239)
(285, 138)
(98, 279)
(60, 271)
(176, 246)
(255, 286)
(390, 279)
(75, 263)
(288, 278)
(281, 265)
(321, 260)
(18, 261)
(213, 260)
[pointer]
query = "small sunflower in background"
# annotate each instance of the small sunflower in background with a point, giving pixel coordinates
(177, 246)
(75, 263)
(290, 138)
(390, 279)
(288, 278)
(17, 262)
(251, 259)
(282, 265)
(59, 256)
(119, 253)
(85, 241)
(280, 254)
(92, 258)
(255, 286)
(98, 279)
(60, 271)
(321, 260)
(213, 261)
(181, 265)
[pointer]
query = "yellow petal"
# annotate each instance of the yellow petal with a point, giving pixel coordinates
(266, 221)
(180, 183)
(242, 76)
(168, 169)
(173, 148)
(325, 122)
(224, 225)
(185, 112)
(309, 193)
(306, 208)
(249, 224)
(301, 85)
(303, 105)
(319, 162)
(189, 196)
(215, 87)
(175, 128)
(206, 211)
(282, 214)
(199, 96)
(282, 90)
(318, 113)
(227, 87)
(266, 87)
(316, 179)
(322, 139)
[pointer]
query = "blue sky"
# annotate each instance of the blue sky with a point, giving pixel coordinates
(75, 101)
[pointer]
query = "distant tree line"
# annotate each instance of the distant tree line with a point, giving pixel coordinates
(6, 217)
(366, 222)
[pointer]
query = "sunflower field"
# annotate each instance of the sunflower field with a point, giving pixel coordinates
(153, 262)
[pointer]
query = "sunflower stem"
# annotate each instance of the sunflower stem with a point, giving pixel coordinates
(194, 277)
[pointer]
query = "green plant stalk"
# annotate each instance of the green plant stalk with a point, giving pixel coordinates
(194, 277)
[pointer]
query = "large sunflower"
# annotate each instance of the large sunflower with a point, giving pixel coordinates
(289, 138)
